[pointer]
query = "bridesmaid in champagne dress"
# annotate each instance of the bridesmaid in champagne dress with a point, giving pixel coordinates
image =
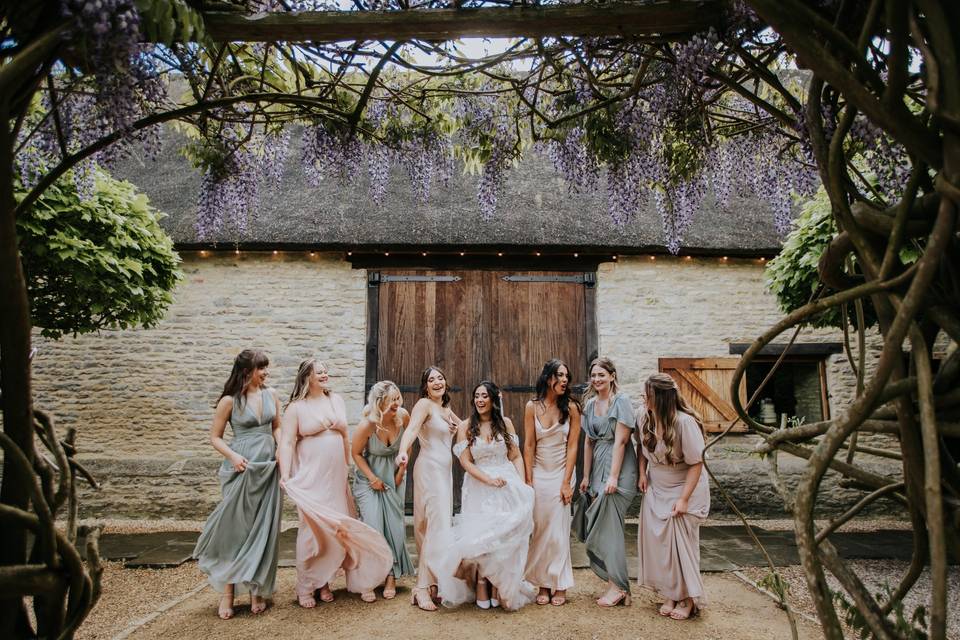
(609, 482)
(432, 423)
(314, 454)
(676, 498)
(239, 544)
(379, 486)
(550, 459)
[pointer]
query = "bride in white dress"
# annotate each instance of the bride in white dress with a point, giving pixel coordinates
(486, 553)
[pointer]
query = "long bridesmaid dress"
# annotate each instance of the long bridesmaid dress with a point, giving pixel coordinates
(432, 497)
(601, 527)
(548, 562)
(669, 546)
(328, 537)
(240, 540)
(383, 510)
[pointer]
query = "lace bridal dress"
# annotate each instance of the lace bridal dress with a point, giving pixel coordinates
(491, 535)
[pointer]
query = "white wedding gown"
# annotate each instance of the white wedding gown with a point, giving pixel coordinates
(492, 533)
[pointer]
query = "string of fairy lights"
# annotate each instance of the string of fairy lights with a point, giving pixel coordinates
(205, 253)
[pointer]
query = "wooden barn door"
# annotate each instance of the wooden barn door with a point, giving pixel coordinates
(477, 325)
(705, 383)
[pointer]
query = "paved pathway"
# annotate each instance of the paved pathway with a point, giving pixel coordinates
(723, 547)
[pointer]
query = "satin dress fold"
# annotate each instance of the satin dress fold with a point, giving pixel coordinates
(669, 546)
(239, 543)
(383, 510)
(432, 496)
(600, 525)
(328, 537)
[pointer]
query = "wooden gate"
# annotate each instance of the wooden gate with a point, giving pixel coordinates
(705, 383)
(478, 325)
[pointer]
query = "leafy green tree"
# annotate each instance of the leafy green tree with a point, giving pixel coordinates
(97, 263)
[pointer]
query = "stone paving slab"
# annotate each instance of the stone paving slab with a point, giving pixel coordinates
(722, 547)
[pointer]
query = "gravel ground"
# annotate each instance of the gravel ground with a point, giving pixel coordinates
(131, 594)
(736, 612)
(875, 574)
(145, 526)
(857, 524)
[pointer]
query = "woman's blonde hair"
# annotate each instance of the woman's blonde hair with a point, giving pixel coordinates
(302, 384)
(380, 393)
(664, 402)
(607, 365)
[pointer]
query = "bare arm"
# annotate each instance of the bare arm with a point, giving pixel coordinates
(514, 452)
(421, 411)
(288, 441)
(360, 438)
(220, 417)
(277, 415)
(573, 443)
(620, 440)
(642, 472)
(587, 464)
(402, 468)
(529, 441)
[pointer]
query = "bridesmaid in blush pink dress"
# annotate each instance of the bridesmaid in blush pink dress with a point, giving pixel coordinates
(676, 498)
(551, 434)
(433, 424)
(314, 453)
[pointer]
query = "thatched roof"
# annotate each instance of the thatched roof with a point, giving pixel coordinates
(536, 210)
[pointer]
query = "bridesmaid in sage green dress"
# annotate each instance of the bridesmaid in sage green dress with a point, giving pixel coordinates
(238, 546)
(379, 484)
(609, 480)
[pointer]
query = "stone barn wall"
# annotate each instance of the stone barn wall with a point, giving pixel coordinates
(142, 400)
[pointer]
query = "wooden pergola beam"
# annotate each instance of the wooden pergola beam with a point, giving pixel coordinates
(660, 21)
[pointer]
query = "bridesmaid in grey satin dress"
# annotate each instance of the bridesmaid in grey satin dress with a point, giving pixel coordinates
(239, 543)
(379, 485)
(609, 482)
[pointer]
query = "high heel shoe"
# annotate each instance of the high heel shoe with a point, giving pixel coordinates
(494, 603)
(667, 607)
(368, 596)
(421, 598)
(483, 604)
(622, 598)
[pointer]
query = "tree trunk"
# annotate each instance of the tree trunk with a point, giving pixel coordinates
(14, 377)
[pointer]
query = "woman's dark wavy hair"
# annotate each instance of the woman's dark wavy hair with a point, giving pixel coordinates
(246, 362)
(423, 384)
(498, 425)
(543, 384)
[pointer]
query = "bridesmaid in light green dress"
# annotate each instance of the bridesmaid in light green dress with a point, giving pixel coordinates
(239, 543)
(609, 480)
(379, 485)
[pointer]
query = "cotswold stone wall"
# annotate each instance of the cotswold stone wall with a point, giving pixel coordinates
(142, 400)
(685, 308)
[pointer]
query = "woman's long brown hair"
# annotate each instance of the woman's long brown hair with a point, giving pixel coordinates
(664, 401)
(246, 362)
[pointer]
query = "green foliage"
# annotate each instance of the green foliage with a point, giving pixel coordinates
(774, 583)
(912, 629)
(792, 276)
(95, 264)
